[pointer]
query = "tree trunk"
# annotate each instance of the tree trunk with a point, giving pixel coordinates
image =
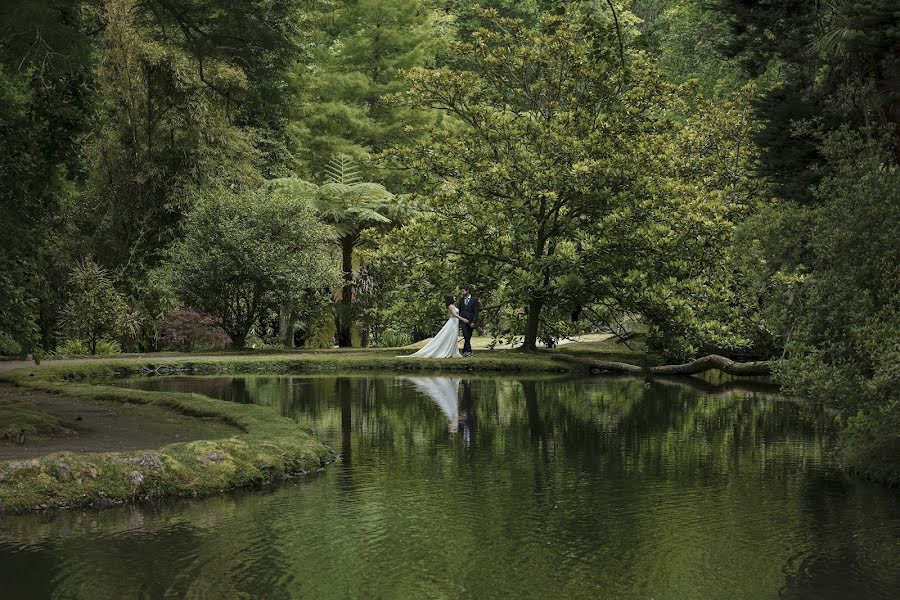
(343, 319)
(531, 324)
(700, 365)
(286, 325)
(238, 340)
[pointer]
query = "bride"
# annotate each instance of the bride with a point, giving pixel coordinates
(446, 343)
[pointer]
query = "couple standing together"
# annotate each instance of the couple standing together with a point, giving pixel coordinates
(446, 343)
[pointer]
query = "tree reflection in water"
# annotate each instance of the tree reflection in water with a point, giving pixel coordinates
(578, 488)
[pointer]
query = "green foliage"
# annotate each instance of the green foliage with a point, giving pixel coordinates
(76, 347)
(845, 305)
(357, 55)
(393, 338)
(43, 60)
(825, 256)
(542, 139)
(162, 133)
(832, 294)
(688, 38)
(690, 283)
(553, 186)
(837, 64)
(351, 207)
(245, 253)
(95, 310)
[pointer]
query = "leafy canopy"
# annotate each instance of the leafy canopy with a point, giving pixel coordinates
(245, 253)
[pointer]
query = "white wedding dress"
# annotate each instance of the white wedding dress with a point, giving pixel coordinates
(446, 343)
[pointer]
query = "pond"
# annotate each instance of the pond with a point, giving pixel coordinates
(453, 487)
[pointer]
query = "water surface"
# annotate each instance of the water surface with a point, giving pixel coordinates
(495, 488)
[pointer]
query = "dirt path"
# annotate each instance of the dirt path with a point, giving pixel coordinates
(104, 427)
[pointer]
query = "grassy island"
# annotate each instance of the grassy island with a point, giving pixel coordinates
(269, 447)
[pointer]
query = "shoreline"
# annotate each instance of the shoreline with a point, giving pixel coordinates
(269, 448)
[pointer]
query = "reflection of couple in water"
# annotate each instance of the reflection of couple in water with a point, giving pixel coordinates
(444, 391)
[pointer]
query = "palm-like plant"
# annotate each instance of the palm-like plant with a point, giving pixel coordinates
(351, 207)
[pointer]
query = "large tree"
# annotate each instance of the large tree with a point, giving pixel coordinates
(351, 206)
(44, 95)
(550, 133)
(244, 254)
(357, 55)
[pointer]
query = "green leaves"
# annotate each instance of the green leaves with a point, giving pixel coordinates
(95, 309)
(354, 63)
(245, 253)
(556, 184)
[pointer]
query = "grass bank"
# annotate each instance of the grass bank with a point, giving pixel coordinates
(23, 418)
(270, 447)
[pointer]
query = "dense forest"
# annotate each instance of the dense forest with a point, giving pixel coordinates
(195, 174)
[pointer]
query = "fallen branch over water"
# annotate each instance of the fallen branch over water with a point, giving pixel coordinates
(713, 361)
(601, 365)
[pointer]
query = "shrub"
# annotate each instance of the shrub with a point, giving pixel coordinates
(243, 254)
(392, 338)
(73, 347)
(76, 347)
(95, 309)
(187, 330)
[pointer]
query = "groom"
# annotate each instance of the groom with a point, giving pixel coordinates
(468, 309)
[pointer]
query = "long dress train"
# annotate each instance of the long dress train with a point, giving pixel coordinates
(446, 343)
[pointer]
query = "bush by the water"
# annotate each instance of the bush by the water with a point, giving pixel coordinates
(76, 347)
(836, 297)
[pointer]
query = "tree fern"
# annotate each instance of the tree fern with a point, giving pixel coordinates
(342, 169)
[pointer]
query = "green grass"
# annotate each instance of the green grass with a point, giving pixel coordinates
(271, 447)
(615, 351)
(21, 415)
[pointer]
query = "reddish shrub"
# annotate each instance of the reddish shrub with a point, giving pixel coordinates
(187, 330)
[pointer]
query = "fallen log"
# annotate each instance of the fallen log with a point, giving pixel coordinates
(601, 365)
(714, 361)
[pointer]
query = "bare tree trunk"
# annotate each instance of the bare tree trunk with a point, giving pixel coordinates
(714, 361)
(286, 325)
(531, 324)
(343, 319)
(238, 340)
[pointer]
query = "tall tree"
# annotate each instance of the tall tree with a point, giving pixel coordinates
(45, 72)
(246, 253)
(362, 49)
(837, 63)
(555, 133)
(351, 207)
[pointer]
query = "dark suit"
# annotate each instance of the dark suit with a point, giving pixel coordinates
(468, 309)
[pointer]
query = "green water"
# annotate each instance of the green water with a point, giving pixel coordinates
(495, 488)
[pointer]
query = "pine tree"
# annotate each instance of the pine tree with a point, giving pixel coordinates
(363, 48)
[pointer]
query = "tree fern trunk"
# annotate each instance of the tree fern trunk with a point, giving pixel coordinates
(343, 316)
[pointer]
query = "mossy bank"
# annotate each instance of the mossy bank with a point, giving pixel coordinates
(269, 448)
